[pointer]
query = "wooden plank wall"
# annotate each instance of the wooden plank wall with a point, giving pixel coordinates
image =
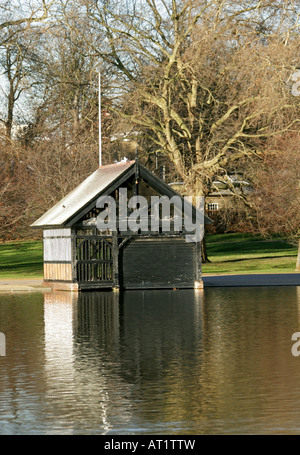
(57, 255)
(57, 272)
(57, 245)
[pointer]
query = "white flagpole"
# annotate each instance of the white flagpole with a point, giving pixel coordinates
(100, 134)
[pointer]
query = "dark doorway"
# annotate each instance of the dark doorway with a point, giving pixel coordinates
(157, 263)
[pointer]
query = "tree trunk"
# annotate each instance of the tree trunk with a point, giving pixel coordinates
(10, 110)
(198, 191)
(204, 256)
(298, 259)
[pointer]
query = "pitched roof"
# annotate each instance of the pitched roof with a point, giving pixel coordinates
(104, 178)
(90, 188)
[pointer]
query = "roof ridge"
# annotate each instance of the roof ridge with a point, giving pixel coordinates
(117, 164)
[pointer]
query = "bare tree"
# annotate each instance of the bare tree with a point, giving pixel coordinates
(17, 193)
(15, 13)
(276, 195)
(206, 81)
(18, 60)
(66, 107)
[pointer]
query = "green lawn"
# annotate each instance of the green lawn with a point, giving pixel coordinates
(246, 253)
(21, 260)
(228, 253)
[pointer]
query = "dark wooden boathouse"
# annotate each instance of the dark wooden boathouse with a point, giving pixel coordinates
(77, 256)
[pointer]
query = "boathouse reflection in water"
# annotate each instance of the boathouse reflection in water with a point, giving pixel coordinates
(207, 362)
(110, 347)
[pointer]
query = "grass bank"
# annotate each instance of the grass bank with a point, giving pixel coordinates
(228, 253)
(20, 260)
(246, 253)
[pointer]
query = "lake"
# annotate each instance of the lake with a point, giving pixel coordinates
(216, 361)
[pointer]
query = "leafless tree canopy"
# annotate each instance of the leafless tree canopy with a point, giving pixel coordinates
(277, 182)
(207, 85)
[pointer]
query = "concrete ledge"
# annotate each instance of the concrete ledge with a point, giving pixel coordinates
(280, 279)
(273, 279)
(57, 286)
(22, 286)
(199, 284)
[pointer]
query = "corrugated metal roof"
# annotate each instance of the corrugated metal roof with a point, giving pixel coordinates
(82, 195)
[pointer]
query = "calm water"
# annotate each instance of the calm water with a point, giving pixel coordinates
(151, 362)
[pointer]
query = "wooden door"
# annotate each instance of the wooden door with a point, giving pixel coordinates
(157, 263)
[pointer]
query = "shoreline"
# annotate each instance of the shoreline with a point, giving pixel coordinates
(210, 280)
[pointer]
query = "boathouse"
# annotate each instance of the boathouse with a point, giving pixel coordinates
(78, 255)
